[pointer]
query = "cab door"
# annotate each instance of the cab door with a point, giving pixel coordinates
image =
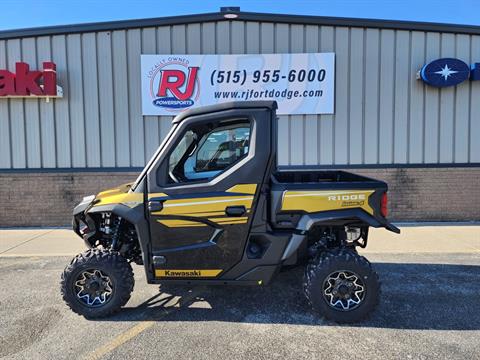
(202, 193)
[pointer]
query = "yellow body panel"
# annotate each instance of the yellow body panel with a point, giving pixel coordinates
(180, 223)
(324, 200)
(212, 208)
(230, 220)
(155, 195)
(129, 199)
(114, 191)
(244, 188)
(195, 206)
(118, 195)
(187, 273)
(191, 223)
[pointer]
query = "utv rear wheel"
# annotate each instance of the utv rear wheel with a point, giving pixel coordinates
(97, 283)
(342, 286)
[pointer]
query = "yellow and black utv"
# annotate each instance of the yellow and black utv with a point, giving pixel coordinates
(213, 207)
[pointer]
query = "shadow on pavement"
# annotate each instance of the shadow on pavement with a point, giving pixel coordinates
(414, 296)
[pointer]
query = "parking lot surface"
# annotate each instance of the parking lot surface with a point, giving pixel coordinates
(429, 309)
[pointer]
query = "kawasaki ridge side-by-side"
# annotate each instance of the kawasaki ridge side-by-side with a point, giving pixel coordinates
(213, 207)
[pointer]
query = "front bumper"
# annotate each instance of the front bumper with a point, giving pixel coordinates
(83, 205)
(79, 214)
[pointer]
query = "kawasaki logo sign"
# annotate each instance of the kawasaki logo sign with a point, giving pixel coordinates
(27, 83)
(300, 83)
(187, 273)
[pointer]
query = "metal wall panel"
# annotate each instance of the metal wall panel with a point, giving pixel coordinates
(416, 126)
(342, 94)
(137, 135)
(372, 93)
(445, 146)
(164, 46)
(295, 126)
(387, 96)
(32, 121)
(356, 112)
(17, 118)
(5, 146)
(105, 92)
(462, 104)
(474, 134)
(326, 125)
(62, 114)
(281, 45)
(402, 97)
(120, 91)
(76, 102)
(91, 98)
(149, 46)
(432, 105)
(383, 114)
(311, 121)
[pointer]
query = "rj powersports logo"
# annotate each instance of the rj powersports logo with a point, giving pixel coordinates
(174, 84)
(448, 72)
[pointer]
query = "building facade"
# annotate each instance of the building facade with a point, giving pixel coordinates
(424, 141)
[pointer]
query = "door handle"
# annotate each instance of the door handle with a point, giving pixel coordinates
(235, 210)
(155, 205)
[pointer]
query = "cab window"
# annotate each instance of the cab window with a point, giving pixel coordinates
(206, 151)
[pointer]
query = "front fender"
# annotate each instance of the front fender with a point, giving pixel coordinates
(136, 216)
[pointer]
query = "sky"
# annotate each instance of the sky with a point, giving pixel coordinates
(15, 14)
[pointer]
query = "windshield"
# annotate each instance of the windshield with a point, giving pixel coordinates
(152, 159)
(181, 149)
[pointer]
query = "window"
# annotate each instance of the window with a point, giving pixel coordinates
(203, 152)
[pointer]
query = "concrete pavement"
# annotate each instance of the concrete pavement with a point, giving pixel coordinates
(413, 239)
(427, 311)
(428, 305)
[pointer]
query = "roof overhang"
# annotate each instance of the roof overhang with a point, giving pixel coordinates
(240, 16)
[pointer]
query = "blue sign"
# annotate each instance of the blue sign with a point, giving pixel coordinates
(445, 72)
(475, 73)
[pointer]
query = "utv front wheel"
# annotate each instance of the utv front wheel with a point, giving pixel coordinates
(342, 286)
(97, 283)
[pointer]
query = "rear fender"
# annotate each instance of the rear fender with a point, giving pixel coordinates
(307, 221)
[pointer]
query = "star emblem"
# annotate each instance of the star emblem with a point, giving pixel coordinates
(446, 72)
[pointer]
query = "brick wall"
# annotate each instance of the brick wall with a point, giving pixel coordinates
(415, 194)
(431, 194)
(47, 199)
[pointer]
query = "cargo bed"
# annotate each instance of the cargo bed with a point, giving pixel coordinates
(299, 191)
(309, 178)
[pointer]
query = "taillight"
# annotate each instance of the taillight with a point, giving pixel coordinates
(383, 205)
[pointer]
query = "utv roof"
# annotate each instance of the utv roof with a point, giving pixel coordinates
(270, 104)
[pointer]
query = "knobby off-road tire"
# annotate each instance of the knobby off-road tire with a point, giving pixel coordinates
(346, 267)
(114, 272)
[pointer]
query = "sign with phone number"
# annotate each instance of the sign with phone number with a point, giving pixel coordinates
(300, 83)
